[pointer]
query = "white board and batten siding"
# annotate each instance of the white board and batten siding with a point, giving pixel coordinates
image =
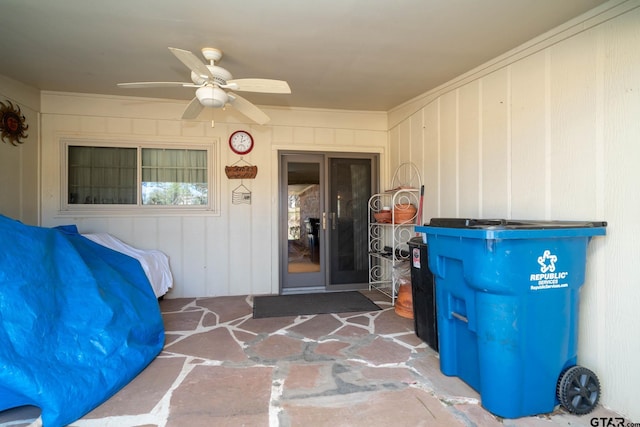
(231, 250)
(551, 131)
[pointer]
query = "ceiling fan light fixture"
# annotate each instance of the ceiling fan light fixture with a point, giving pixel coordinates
(211, 96)
(211, 82)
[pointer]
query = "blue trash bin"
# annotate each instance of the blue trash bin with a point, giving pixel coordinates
(507, 295)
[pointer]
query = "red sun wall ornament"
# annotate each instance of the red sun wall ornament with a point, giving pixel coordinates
(12, 124)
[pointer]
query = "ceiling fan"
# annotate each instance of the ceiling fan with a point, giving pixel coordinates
(214, 84)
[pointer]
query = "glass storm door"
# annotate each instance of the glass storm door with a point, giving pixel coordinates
(349, 191)
(302, 240)
(323, 217)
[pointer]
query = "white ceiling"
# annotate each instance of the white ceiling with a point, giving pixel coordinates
(343, 54)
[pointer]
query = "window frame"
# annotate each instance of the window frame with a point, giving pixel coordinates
(211, 147)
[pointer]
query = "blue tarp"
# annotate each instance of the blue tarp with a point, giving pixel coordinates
(78, 321)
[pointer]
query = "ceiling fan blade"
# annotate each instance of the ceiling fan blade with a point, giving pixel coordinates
(193, 109)
(248, 109)
(258, 85)
(156, 84)
(192, 62)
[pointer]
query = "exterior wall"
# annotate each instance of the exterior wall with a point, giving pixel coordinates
(230, 252)
(19, 165)
(550, 131)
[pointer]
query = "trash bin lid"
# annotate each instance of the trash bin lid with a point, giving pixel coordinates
(511, 229)
(510, 224)
(417, 241)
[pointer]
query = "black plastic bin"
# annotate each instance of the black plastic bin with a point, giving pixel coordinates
(423, 293)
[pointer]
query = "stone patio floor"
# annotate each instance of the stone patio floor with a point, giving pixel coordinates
(221, 367)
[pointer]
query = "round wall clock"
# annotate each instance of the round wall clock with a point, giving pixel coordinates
(241, 142)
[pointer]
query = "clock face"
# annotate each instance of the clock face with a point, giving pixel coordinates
(241, 142)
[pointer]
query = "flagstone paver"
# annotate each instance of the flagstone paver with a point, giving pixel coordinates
(221, 367)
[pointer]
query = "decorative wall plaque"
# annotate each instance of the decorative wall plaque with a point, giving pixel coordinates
(12, 124)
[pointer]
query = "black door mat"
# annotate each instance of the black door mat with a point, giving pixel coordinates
(320, 303)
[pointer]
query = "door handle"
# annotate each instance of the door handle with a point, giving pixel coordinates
(333, 220)
(324, 220)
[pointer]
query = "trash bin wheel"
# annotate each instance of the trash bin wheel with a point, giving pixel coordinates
(578, 390)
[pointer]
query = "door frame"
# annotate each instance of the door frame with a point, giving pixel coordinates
(282, 257)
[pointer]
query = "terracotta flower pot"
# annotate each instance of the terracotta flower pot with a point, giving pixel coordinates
(404, 302)
(382, 216)
(404, 213)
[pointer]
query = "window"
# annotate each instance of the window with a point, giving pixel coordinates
(174, 177)
(102, 175)
(138, 176)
